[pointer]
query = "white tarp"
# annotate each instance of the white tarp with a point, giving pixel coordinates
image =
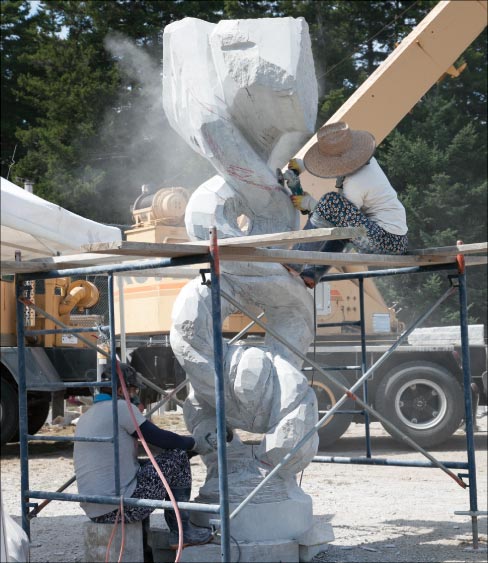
(14, 543)
(39, 228)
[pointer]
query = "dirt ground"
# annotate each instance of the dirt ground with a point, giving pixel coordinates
(378, 514)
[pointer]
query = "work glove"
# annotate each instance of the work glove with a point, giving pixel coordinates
(296, 164)
(207, 443)
(303, 202)
(291, 175)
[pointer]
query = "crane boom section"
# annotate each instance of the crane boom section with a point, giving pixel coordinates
(418, 62)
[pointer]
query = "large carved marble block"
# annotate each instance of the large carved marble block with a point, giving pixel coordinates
(243, 94)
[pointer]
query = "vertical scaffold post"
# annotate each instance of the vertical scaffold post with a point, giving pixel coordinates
(468, 402)
(219, 396)
(114, 381)
(23, 423)
(363, 364)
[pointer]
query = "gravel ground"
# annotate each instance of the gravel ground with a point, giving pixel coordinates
(378, 514)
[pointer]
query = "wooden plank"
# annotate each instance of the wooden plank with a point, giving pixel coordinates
(59, 263)
(147, 249)
(171, 250)
(290, 237)
(473, 248)
(336, 259)
(476, 260)
(134, 251)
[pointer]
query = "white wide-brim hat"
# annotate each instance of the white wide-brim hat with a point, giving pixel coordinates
(339, 151)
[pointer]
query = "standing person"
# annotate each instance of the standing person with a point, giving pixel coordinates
(94, 462)
(365, 197)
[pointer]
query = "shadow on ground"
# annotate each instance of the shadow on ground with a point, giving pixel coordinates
(415, 540)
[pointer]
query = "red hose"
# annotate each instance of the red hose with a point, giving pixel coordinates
(153, 461)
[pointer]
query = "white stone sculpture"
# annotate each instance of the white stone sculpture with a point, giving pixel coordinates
(243, 94)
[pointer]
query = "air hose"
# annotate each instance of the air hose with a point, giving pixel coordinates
(153, 461)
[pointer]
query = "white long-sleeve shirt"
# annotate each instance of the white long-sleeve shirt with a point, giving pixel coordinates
(371, 192)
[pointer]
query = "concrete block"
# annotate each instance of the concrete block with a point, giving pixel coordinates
(158, 540)
(285, 551)
(315, 540)
(97, 536)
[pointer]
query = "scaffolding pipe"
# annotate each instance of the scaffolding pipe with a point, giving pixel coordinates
(363, 366)
(344, 323)
(167, 397)
(389, 272)
(136, 265)
(386, 461)
(220, 396)
(64, 486)
(348, 393)
(128, 501)
(468, 402)
(71, 385)
(123, 341)
(73, 330)
(114, 381)
(23, 412)
(46, 438)
(244, 330)
(335, 368)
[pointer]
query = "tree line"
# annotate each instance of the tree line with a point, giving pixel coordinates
(82, 115)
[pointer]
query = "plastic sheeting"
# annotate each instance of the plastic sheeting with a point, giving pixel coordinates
(39, 228)
(14, 542)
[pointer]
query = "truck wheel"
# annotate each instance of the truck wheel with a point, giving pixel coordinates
(37, 410)
(9, 412)
(327, 396)
(423, 400)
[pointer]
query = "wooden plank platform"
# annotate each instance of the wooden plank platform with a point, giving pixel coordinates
(473, 248)
(250, 249)
(291, 237)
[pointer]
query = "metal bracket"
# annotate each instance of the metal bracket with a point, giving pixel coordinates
(453, 280)
(462, 476)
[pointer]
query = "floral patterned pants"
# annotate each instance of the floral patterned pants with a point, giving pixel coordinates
(340, 212)
(175, 466)
(334, 210)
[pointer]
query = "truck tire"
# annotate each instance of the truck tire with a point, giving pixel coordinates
(423, 400)
(37, 412)
(327, 396)
(9, 412)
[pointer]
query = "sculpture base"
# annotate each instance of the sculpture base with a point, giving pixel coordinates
(303, 549)
(287, 519)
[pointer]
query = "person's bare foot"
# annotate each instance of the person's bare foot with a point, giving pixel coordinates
(309, 282)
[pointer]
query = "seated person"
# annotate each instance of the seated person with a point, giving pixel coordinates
(94, 462)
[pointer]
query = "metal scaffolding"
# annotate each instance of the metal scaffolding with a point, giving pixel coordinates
(458, 282)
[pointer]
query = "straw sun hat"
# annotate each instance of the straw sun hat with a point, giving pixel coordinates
(339, 151)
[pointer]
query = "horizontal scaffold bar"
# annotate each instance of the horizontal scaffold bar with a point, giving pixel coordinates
(100, 499)
(386, 461)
